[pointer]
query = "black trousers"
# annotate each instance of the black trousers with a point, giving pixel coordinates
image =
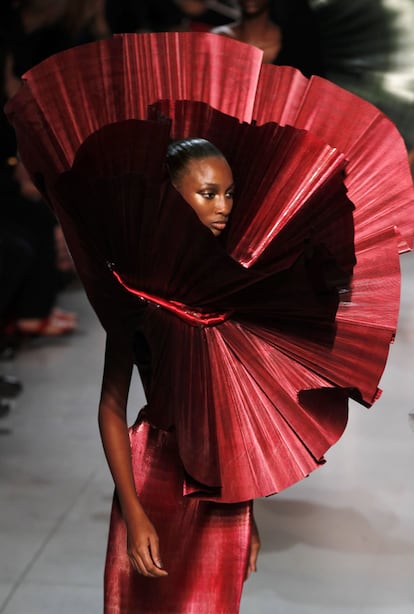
(28, 275)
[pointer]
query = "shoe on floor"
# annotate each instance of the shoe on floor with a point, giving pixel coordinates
(10, 386)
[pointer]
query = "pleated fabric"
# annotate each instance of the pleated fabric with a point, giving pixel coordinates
(204, 546)
(252, 342)
(259, 338)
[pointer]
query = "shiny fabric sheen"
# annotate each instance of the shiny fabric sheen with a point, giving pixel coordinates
(308, 268)
(204, 546)
(189, 315)
(308, 271)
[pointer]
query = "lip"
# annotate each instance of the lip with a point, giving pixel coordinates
(219, 225)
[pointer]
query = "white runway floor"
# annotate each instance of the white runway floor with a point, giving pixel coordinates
(340, 542)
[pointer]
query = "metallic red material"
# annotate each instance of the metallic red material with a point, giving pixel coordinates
(189, 315)
(204, 545)
(305, 279)
(311, 279)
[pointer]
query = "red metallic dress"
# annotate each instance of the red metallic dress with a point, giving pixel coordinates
(249, 345)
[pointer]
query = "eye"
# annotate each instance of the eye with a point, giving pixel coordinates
(208, 195)
(230, 194)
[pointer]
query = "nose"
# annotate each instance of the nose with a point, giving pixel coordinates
(223, 204)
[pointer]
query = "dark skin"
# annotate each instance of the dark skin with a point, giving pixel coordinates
(142, 538)
(256, 28)
(207, 185)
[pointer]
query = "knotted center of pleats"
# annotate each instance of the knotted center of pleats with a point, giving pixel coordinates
(182, 311)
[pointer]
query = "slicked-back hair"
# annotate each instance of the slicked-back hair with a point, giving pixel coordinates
(180, 153)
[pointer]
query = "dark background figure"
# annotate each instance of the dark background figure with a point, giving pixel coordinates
(300, 36)
(84, 21)
(143, 16)
(167, 15)
(29, 275)
(285, 31)
(33, 30)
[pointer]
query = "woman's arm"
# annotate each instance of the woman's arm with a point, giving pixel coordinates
(143, 549)
(254, 548)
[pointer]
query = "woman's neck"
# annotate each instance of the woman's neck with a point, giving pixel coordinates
(256, 26)
(260, 31)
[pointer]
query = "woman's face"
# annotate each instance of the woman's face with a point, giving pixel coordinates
(254, 7)
(207, 185)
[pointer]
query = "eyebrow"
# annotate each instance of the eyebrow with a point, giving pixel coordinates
(215, 185)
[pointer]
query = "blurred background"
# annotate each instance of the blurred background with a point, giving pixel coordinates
(55, 489)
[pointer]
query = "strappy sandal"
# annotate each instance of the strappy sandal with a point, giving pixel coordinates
(52, 326)
(61, 314)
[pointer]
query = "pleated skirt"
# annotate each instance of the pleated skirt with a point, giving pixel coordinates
(204, 545)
